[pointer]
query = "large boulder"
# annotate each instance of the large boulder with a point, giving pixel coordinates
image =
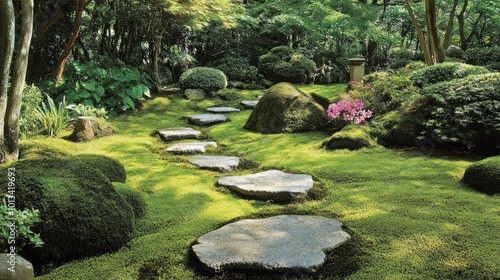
(284, 108)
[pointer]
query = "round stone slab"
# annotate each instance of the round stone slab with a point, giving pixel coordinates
(222, 110)
(177, 133)
(269, 185)
(281, 243)
(249, 104)
(206, 119)
(216, 163)
(190, 148)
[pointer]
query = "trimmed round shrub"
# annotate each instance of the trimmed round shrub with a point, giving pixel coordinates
(237, 69)
(205, 78)
(445, 72)
(133, 197)
(82, 214)
(111, 168)
(484, 175)
(455, 52)
(398, 130)
(482, 55)
(352, 137)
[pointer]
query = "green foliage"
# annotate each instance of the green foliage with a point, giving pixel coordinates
(465, 111)
(484, 175)
(402, 54)
(205, 78)
(132, 197)
(352, 137)
(455, 52)
(415, 65)
(237, 69)
(113, 89)
(483, 55)
(444, 72)
(53, 118)
(24, 220)
(283, 64)
(395, 129)
(29, 123)
(82, 214)
(82, 110)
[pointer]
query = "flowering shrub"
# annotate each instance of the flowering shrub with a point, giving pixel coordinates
(351, 110)
(362, 87)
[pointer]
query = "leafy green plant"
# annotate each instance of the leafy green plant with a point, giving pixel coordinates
(482, 55)
(53, 117)
(283, 64)
(24, 220)
(445, 72)
(205, 78)
(29, 124)
(237, 69)
(81, 110)
(114, 89)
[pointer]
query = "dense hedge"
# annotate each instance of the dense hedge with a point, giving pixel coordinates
(483, 55)
(445, 72)
(82, 214)
(205, 78)
(484, 175)
(237, 69)
(283, 64)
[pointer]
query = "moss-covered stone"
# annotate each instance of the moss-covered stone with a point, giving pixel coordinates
(132, 197)
(398, 130)
(484, 175)
(352, 137)
(284, 108)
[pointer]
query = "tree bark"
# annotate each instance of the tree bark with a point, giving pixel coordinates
(461, 29)
(420, 34)
(59, 67)
(436, 49)
(11, 129)
(449, 27)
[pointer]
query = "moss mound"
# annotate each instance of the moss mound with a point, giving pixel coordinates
(398, 130)
(352, 137)
(82, 214)
(284, 108)
(111, 168)
(484, 175)
(132, 197)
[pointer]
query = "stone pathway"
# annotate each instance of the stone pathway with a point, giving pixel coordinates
(280, 243)
(216, 163)
(222, 110)
(270, 185)
(177, 133)
(249, 104)
(190, 148)
(207, 119)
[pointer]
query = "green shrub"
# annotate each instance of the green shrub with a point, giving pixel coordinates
(395, 129)
(352, 137)
(283, 64)
(29, 123)
(237, 69)
(455, 52)
(401, 54)
(82, 214)
(132, 197)
(483, 55)
(465, 111)
(399, 63)
(53, 118)
(484, 175)
(445, 72)
(111, 168)
(205, 78)
(116, 90)
(414, 65)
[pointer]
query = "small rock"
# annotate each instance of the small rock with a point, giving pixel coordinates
(269, 185)
(23, 269)
(286, 243)
(177, 133)
(222, 110)
(249, 104)
(166, 90)
(216, 163)
(194, 94)
(190, 148)
(207, 119)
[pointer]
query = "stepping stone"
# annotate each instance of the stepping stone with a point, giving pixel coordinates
(190, 148)
(177, 133)
(207, 119)
(249, 104)
(281, 243)
(222, 110)
(216, 163)
(270, 185)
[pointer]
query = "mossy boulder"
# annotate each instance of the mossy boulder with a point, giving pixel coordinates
(484, 175)
(284, 108)
(82, 214)
(398, 130)
(132, 197)
(352, 137)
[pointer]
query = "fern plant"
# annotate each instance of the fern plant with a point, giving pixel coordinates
(53, 118)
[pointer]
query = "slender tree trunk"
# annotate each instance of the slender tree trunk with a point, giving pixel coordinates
(449, 27)
(420, 34)
(437, 51)
(11, 128)
(59, 67)
(461, 28)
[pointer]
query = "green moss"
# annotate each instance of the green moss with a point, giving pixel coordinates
(45, 148)
(398, 130)
(109, 167)
(484, 175)
(133, 197)
(352, 137)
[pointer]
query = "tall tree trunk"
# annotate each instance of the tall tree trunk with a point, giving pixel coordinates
(11, 127)
(420, 34)
(461, 28)
(437, 51)
(449, 27)
(59, 67)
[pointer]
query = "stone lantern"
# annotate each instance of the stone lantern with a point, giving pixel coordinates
(357, 68)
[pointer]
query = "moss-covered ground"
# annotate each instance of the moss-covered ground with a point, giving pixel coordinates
(407, 212)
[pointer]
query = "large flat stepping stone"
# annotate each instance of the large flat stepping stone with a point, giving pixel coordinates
(222, 110)
(249, 104)
(216, 163)
(270, 185)
(207, 119)
(190, 148)
(281, 243)
(177, 133)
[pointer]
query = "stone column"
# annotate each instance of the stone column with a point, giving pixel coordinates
(357, 68)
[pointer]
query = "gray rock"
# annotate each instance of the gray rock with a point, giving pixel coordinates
(23, 269)
(216, 163)
(282, 243)
(190, 148)
(222, 110)
(194, 94)
(270, 185)
(207, 119)
(177, 133)
(249, 104)
(166, 90)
